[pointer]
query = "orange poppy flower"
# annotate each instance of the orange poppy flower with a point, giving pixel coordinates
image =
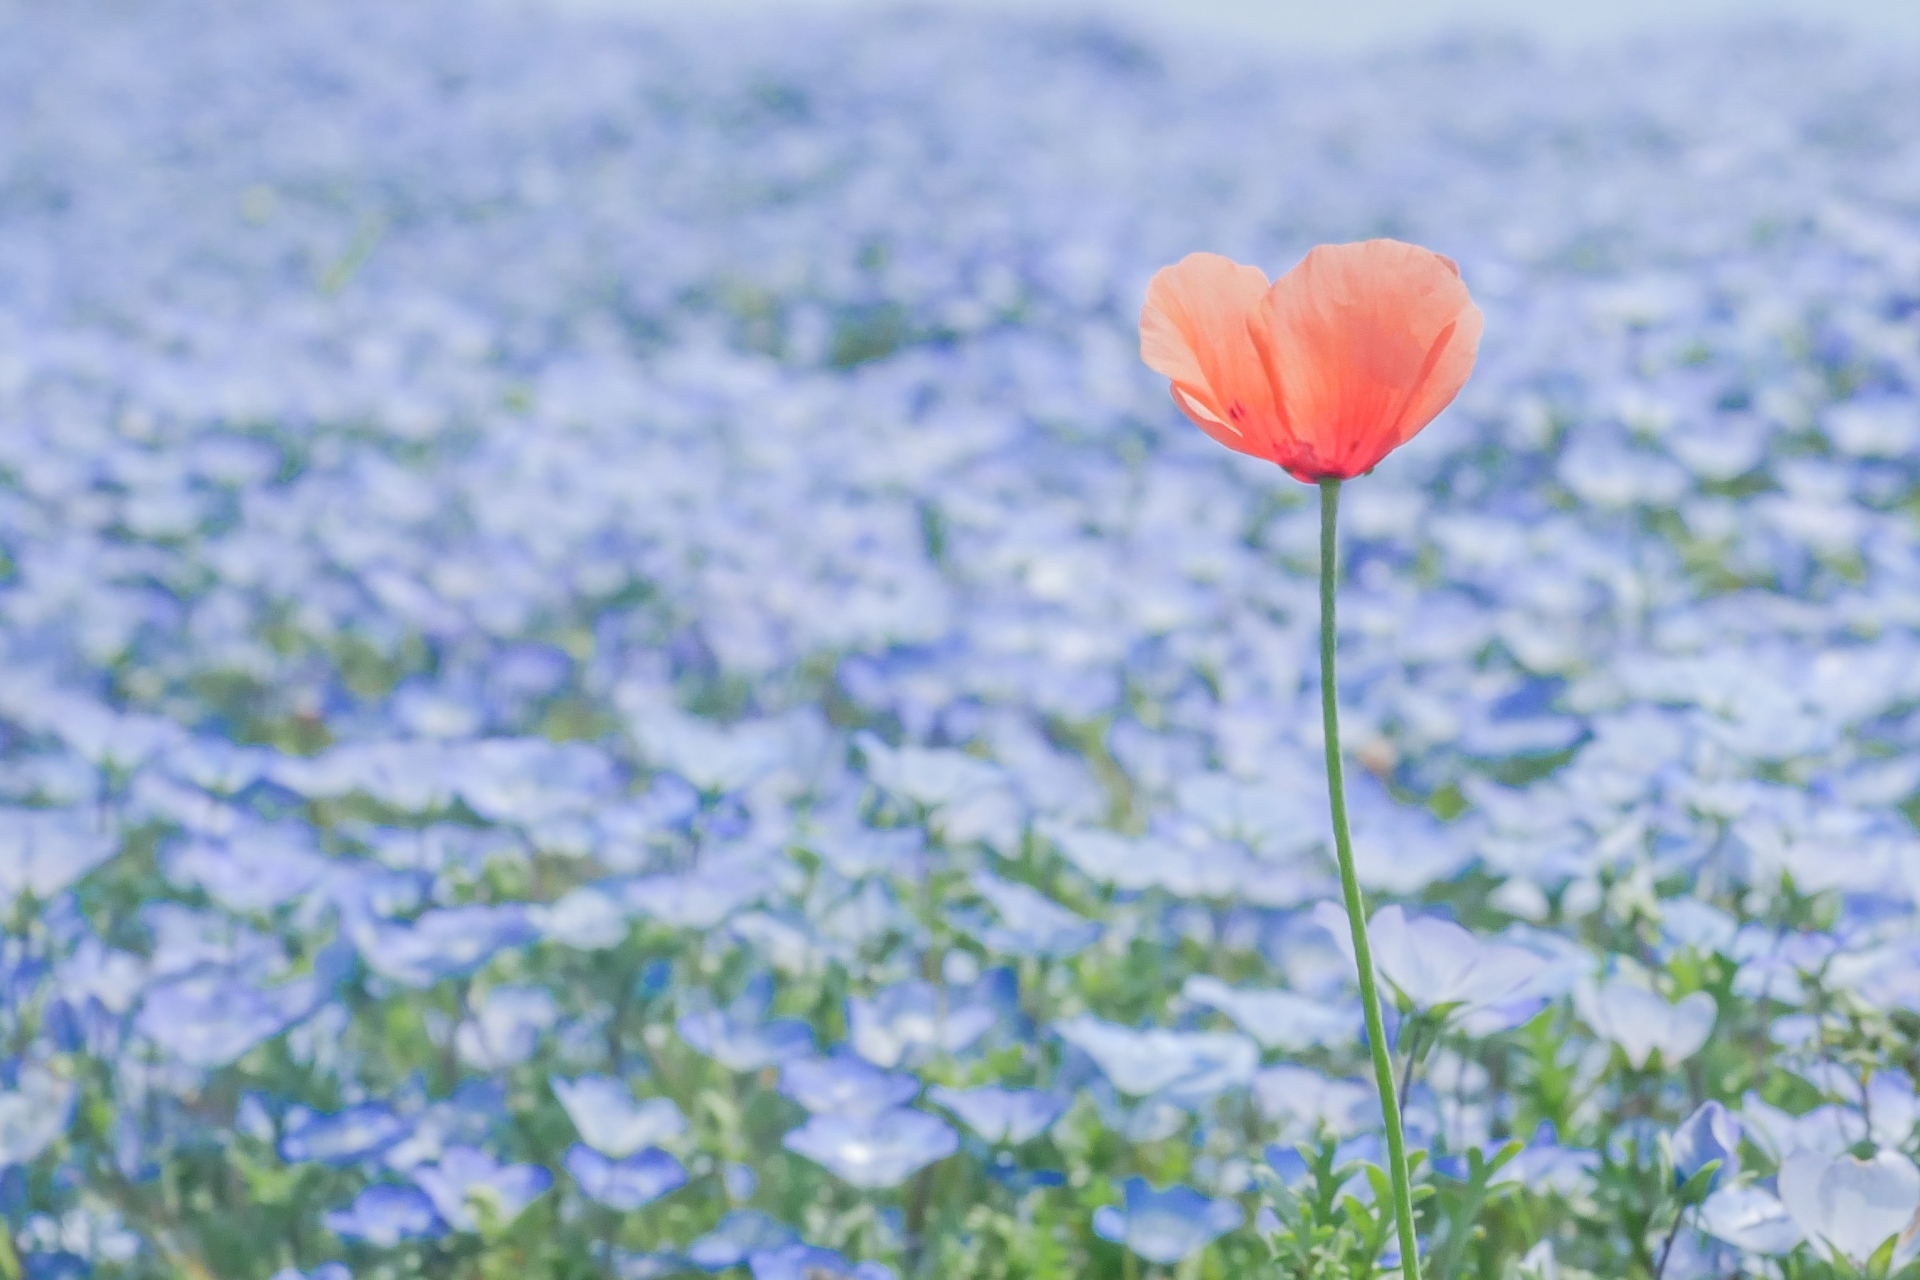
(1325, 371)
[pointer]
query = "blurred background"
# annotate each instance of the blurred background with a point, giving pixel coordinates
(1309, 26)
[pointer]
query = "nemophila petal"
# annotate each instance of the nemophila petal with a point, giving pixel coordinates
(805, 1262)
(737, 1237)
(715, 758)
(342, 1138)
(626, 1184)
(1031, 922)
(879, 1150)
(1546, 1165)
(467, 1174)
(472, 1115)
(927, 776)
(42, 851)
(1689, 922)
(1306, 1100)
(505, 1027)
(845, 1085)
(1433, 962)
(1002, 1115)
(383, 1215)
(255, 869)
(1873, 426)
(859, 851)
(904, 1022)
(588, 919)
(1165, 1226)
(34, 1113)
(697, 899)
(1400, 850)
(1641, 1022)
(522, 780)
(609, 1119)
(441, 943)
(1185, 1066)
(630, 1265)
(210, 1019)
(1830, 1129)
(1278, 1019)
(1710, 1133)
(1849, 1207)
(325, 1271)
(741, 1036)
(1751, 1219)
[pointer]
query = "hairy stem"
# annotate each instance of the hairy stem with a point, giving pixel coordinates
(1350, 886)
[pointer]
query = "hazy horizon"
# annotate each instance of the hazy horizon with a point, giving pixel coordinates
(1302, 26)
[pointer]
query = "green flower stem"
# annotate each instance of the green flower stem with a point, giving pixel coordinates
(1350, 885)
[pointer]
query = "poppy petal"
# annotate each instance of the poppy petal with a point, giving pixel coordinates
(1193, 329)
(1364, 345)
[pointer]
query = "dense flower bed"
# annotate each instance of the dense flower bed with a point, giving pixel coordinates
(609, 664)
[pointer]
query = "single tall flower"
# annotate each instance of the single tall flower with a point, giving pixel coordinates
(1324, 372)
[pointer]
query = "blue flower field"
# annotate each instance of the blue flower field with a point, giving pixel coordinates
(610, 665)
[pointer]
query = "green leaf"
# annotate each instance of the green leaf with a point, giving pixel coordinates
(1696, 1188)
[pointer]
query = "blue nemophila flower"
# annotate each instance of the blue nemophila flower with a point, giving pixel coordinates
(1004, 1170)
(626, 1184)
(804, 1262)
(505, 1029)
(904, 1023)
(1185, 1067)
(742, 1037)
(928, 776)
(880, 1150)
(255, 869)
(737, 1237)
(741, 1181)
(609, 1119)
(1306, 1100)
(1750, 1218)
(1689, 922)
(522, 780)
(465, 1174)
(1849, 1207)
(1434, 963)
(589, 918)
(1165, 1226)
(697, 899)
(34, 1113)
(845, 1085)
(476, 1109)
(1002, 1115)
(1545, 1164)
(1710, 1133)
(385, 1214)
(445, 942)
(713, 757)
(325, 1271)
(1641, 1022)
(341, 1138)
(1278, 1019)
(628, 1265)
(209, 1019)
(1030, 923)
(857, 851)
(42, 851)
